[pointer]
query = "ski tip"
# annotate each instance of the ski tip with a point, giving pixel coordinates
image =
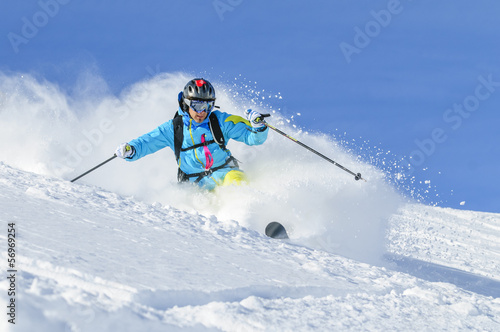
(276, 230)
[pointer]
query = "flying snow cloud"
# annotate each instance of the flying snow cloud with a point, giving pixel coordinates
(51, 132)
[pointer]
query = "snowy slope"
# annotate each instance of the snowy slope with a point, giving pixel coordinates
(93, 260)
(464, 240)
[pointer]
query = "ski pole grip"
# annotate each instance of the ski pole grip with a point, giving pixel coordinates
(261, 119)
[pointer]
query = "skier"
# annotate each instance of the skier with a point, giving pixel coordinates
(198, 136)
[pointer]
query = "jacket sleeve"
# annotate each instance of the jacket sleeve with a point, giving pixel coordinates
(153, 141)
(240, 129)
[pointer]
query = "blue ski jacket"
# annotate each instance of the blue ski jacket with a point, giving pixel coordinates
(194, 160)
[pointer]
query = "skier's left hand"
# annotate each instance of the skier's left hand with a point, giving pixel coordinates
(255, 118)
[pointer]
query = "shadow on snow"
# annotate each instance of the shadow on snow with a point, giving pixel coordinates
(440, 273)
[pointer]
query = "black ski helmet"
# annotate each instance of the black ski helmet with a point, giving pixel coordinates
(199, 89)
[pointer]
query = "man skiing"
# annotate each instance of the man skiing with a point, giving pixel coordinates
(198, 136)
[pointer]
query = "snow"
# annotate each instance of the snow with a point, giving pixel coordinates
(92, 260)
(127, 249)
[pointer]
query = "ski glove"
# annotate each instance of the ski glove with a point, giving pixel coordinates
(255, 118)
(125, 150)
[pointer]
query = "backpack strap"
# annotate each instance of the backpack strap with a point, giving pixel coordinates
(198, 145)
(181, 176)
(178, 135)
(216, 131)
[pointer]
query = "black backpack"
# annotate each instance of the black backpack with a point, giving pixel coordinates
(178, 124)
(214, 125)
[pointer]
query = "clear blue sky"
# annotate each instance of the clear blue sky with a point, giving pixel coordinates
(417, 78)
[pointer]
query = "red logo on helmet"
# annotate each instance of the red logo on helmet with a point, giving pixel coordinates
(200, 83)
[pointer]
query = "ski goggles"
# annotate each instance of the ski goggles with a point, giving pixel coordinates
(200, 106)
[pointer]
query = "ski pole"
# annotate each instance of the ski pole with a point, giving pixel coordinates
(356, 176)
(92, 169)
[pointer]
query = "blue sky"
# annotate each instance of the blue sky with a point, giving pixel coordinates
(420, 79)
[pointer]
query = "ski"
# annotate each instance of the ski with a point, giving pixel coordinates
(276, 230)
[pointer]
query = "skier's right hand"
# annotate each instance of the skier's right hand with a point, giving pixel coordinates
(125, 150)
